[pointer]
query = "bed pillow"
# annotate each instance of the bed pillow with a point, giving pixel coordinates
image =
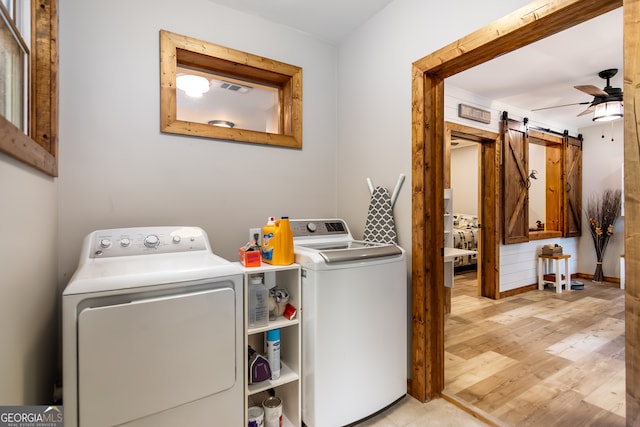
(465, 221)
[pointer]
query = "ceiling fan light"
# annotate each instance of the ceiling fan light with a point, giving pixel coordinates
(607, 111)
(193, 86)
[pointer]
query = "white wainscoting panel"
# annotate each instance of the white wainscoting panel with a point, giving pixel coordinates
(518, 266)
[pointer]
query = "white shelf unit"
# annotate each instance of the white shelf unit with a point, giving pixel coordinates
(448, 237)
(287, 387)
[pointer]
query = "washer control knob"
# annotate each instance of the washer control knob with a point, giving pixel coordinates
(105, 243)
(176, 239)
(312, 227)
(151, 241)
(125, 243)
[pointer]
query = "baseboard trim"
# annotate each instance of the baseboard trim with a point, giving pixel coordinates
(528, 288)
(606, 278)
(517, 291)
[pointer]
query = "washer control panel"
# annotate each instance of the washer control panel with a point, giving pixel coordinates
(318, 227)
(146, 240)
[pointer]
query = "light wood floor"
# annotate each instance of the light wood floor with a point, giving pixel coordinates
(538, 358)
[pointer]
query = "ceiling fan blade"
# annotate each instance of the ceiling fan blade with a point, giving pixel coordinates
(563, 105)
(587, 111)
(591, 90)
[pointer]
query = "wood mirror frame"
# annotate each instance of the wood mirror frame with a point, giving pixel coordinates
(176, 49)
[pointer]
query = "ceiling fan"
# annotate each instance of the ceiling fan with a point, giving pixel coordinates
(606, 103)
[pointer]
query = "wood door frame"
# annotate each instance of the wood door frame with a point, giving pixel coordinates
(489, 215)
(531, 23)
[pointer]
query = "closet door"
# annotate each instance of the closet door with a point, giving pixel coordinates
(515, 192)
(573, 187)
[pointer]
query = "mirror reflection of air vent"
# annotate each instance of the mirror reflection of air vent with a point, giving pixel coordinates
(235, 87)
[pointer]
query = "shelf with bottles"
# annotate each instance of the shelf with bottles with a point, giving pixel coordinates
(287, 375)
(290, 397)
(285, 277)
(289, 358)
(287, 386)
(279, 323)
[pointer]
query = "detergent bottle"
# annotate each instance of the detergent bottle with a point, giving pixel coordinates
(268, 234)
(277, 242)
(285, 254)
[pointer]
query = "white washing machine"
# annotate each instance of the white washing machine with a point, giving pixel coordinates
(152, 332)
(354, 323)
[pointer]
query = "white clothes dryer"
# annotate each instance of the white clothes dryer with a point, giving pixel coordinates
(152, 332)
(354, 323)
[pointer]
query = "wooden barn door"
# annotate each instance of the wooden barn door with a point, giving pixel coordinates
(515, 191)
(573, 187)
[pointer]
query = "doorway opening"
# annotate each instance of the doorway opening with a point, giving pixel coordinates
(524, 26)
(467, 223)
(483, 187)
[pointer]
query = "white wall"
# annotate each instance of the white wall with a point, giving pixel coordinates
(602, 161)
(28, 297)
(464, 179)
(455, 95)
(518, 263)
(117, 169)
(375, 96)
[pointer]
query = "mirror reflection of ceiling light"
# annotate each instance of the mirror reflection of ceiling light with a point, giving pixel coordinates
(222, 123)
(194, 86)
(607, 111)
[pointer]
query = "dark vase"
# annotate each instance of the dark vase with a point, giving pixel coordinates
(598, 276)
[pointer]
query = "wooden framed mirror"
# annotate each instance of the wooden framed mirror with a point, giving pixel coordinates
(223, 70)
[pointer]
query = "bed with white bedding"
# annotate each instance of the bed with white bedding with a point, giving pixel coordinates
(465, 236)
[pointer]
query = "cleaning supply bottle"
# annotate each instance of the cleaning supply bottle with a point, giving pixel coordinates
(273, 352)
(268, 240)
(258, 303)
(285, 252)
(277, 242)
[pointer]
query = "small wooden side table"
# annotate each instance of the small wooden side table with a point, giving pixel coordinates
(555, 259)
